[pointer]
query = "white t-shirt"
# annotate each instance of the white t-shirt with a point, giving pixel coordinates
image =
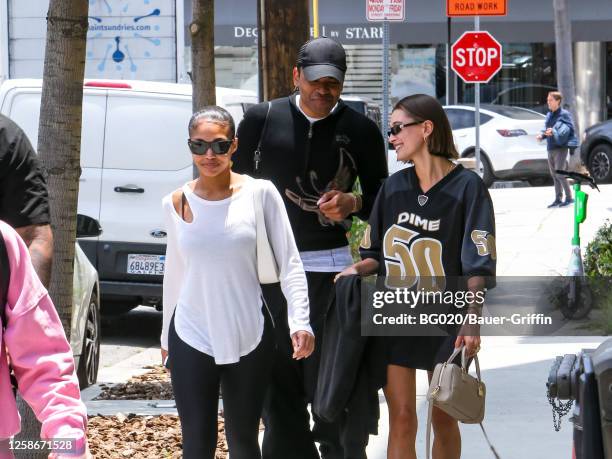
(211, 272)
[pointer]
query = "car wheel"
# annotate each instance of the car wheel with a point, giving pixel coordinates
(600, 162)
(488, 175)
(90, 355)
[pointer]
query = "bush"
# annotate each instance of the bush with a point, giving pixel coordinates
(598, 256)
(598, 268)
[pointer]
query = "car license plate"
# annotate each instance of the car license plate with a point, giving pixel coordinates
(152, 265)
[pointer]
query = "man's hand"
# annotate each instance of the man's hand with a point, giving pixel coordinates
(548, 132)
(303, 344)
(164, 356)
(39, 240)
(336, 205)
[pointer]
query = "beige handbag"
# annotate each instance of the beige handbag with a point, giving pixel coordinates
(458, 394)
(267, 268)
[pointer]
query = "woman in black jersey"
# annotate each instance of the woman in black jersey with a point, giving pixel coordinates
(432, 219)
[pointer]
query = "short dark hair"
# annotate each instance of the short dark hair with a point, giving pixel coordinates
(556, 95)
(426, 108)
(214, 114)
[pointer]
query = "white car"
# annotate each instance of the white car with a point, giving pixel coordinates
(509, 149)
(508, 146)
(133, 153)
(85, 324)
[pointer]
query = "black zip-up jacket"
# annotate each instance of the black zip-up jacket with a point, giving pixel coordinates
(304, 160)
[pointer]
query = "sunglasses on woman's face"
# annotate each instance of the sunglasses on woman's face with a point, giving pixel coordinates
(397, 128)
(200, 147)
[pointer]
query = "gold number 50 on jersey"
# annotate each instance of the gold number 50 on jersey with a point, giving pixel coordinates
(406, 263)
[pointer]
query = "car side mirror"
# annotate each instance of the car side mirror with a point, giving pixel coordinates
(87, 226)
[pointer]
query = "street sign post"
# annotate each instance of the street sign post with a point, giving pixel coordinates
(476, 58)
(385, 11)
(476, 8)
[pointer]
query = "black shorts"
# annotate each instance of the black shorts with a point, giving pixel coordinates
(419, 352)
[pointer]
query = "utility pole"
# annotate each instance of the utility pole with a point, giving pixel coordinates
(565, 61)
(283, 27)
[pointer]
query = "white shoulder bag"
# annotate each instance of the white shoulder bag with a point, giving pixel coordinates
(267, 268)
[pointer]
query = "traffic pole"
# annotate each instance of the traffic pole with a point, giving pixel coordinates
(315, 16)
(477, 110)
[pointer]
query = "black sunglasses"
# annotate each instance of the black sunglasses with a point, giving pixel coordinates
(396, 128)
(218, 147)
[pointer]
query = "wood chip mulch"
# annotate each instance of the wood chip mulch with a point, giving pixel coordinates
(142, 437)
(153, 385)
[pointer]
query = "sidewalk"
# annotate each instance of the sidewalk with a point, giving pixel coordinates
(531, 241)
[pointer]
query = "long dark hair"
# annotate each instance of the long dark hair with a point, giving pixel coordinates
(422, 108)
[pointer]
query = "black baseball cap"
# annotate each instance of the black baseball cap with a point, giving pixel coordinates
(322, 57)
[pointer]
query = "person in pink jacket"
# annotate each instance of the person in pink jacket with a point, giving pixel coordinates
(34, 341)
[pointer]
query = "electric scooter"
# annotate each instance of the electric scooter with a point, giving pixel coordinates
(575, 297)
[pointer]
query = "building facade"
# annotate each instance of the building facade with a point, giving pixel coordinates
(148, 39)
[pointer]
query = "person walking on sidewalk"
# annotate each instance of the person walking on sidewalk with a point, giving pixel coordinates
(32, 339)
(450, 233)
(560, 134)
(216, 331)
(312, 147)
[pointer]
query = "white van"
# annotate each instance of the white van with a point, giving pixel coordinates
(133, 152)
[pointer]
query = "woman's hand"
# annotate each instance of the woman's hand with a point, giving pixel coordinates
(303, 344)
(364, 267)
(471, 343)
(164, 357)
(350, 271)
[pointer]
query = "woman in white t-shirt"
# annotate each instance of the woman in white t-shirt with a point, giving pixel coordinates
(216, 331)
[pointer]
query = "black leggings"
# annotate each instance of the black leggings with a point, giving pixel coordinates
(196, 379)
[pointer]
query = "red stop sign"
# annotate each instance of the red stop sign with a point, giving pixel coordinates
(476, 57)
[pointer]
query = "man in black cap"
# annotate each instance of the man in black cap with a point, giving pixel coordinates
(313, 148)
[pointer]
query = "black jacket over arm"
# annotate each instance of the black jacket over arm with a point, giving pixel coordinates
(304, 161)
(353, 368)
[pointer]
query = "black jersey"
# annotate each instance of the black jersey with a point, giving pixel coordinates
(448, 231)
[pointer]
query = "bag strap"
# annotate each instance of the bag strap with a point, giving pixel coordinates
(257, 154)
(5, 275)
(465, 364)
(259, 215)
(428, 434)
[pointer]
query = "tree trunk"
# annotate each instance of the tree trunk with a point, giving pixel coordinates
(203, 53)
(283, 27)
(565, 62)
(59, 143)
